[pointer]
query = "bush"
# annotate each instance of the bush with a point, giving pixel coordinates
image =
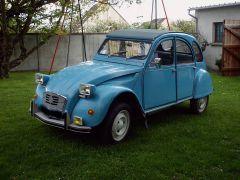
(219, 63)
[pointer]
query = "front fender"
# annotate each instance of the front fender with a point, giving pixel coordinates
(100, 102)
(202, 84)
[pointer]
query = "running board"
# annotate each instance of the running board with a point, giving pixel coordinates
(156, 109)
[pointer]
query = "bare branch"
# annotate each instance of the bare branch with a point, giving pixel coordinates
(23, 55)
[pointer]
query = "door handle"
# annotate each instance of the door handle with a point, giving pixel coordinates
(173, 70)
(194, 67)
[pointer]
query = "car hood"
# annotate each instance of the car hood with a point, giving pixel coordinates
(67, 81)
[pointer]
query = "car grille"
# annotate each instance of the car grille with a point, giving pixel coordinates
(54, 102)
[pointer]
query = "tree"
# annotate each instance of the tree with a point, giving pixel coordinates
(190, 28)
(148, 25)
(21, 16)
(106, 26)
(17, 18)
(184, 26)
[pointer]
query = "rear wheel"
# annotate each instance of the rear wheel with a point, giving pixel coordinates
(199, 105)
(117, 123)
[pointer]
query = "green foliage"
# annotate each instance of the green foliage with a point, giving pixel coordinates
(89, 13)
(120, 2)
(21, 17)
(190, 28)
(204, 44)
(106, 26)
(46, 13)
(147, 25)
(45, 17)
(177, 145)
(184, 26)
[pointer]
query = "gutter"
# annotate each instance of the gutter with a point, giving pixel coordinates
(194, 17)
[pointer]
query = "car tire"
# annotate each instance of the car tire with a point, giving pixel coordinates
(116, 124)
(198, 106)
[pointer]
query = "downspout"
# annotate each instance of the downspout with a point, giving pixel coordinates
(194, 17)
(196, 20)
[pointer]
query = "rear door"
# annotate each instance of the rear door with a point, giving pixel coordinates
(185, 67)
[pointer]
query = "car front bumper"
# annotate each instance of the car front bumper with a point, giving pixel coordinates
(59, 123)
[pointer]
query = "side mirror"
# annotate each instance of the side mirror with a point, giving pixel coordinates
(157, 62)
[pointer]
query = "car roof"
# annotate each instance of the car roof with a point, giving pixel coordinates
(142, 34)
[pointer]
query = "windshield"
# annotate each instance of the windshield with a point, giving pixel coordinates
(126, 49)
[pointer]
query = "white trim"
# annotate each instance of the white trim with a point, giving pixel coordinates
(216, 6)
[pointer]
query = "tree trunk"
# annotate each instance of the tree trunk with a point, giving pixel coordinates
(5, 55)
(4, 40)
(8, 42)
(4, 69)
(6, 51)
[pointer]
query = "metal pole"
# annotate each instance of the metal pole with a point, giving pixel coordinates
(70, 33)
(38, 63)
(83, 38)
(155, 14)
(169, 28)
(150, 25)
(56, 48)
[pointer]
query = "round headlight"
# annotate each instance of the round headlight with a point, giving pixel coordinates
(41, 78)
(86, 90)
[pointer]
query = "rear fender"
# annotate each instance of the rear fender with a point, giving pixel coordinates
(202, 84)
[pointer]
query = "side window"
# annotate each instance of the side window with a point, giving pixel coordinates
(218, 32)
(198, 53)
(164, 51)
(183, 53)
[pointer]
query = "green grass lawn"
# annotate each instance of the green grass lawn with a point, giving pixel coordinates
(178, 144)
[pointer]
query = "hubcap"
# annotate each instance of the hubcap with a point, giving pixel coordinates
(202, 103)
(120, 125)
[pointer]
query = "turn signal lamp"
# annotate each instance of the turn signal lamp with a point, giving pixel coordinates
(78, 121)
(91, 112)
(35, 96)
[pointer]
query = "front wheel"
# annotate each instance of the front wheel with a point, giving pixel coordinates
(199, 105)
(117, 123)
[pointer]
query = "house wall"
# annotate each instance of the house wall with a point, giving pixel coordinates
(206, 18)
(45, 52)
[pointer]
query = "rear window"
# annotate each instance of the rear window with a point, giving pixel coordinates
(183, 53)
(197, 52)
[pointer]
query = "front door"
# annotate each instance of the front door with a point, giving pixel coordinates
(185, 70)
(160, 78)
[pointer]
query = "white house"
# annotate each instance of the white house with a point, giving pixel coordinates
(210, 24)
(103, 12)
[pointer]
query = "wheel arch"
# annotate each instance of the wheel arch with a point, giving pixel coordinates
(131, 99)
(202, 84)
(105, 97)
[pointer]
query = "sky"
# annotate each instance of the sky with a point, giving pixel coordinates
(176, 9)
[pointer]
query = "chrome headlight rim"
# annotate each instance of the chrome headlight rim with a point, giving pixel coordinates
(41, 78)
(86, 90)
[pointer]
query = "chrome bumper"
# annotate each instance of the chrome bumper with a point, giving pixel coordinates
(60, 123)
